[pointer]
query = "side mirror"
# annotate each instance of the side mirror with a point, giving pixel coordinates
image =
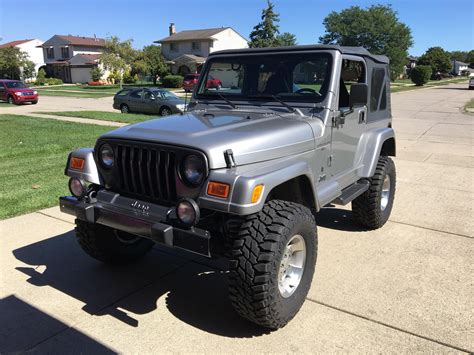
(359, 95)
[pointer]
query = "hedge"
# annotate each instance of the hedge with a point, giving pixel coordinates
(172, 81)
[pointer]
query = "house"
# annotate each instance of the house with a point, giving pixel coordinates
(30, 47)
(71, 58)
(186, 51)
(459, 67)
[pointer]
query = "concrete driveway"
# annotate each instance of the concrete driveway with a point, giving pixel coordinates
(404, 288)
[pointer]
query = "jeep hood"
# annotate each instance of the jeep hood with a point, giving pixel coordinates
(253, 137)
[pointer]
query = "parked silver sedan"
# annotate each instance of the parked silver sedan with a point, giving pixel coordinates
(148, 100)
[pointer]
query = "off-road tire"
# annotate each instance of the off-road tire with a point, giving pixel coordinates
(366, 208)
(102, 243)
(257, 252)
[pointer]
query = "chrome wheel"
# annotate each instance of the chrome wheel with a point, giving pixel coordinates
(292, 266)
(10, 100)
(125, 109)
(385, 196)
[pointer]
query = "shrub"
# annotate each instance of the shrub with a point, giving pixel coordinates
(465, 73)
(96, 74)
(172, 81)
(128, 78)
(54, 81)
(420, 74)
(41, 77)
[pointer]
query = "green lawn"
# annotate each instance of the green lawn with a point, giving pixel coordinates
(406, 84)
(105, 116)
(33, 153)
(95, 95)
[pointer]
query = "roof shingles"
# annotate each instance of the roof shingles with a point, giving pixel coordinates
(191, 35)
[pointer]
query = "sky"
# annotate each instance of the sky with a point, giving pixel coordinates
(449, 24)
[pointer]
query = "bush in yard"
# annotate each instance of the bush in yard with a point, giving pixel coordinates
(54, 81)
(41, 77)
(128, 78)
(172, 81)
(420, 74)
(96, 74)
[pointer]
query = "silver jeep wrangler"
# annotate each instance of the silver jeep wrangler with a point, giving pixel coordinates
(245, 170)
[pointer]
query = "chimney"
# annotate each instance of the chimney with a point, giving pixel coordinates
(172, 29)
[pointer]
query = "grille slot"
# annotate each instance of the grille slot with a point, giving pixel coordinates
(146, 172)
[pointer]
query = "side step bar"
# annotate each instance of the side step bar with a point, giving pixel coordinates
(352, 192)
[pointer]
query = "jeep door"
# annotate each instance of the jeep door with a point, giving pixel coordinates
(348, 122)
(135, 100)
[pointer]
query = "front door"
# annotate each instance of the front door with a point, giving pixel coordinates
(347, 132)
(135, 101)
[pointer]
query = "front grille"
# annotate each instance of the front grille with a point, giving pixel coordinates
(27, 93)
(146, 172)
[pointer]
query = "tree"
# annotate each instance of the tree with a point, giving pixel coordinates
(470, 56)
(28, 70)
(376, 28)
(265, 33)
(438, 59)
(420, 74)
(286, 39)
(14, 62)
(118, 56)
(460, 56)
(153, 62)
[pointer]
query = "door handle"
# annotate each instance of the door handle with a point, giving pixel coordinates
(361, 116)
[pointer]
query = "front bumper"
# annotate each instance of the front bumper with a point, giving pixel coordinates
(140, 218)
(29, 98)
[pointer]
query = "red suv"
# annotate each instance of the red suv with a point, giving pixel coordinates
(191, 80)
(16, 92)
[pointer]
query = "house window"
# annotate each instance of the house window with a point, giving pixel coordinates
(196, 46)
(173, 47)
(64, 52)
(50, 53)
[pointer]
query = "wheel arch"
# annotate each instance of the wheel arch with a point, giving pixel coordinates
(298, 189)
(372, 144)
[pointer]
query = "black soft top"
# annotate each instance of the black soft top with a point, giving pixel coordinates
(360, 51)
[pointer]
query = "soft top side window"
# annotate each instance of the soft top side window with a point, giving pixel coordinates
(378, 99)
(352, 72)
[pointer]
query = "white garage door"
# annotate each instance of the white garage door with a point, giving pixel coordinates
(81, 75)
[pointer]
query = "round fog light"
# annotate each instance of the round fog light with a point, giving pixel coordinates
(77, 187)
(187, 212)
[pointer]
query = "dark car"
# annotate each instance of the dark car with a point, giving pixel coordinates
(146, 100)
(17, 92)
(191, 80)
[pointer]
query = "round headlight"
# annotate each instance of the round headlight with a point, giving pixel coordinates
(77, 187)
(187, 212)
(106, 155)
(193, 170)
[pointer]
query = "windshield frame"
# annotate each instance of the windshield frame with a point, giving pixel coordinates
(263, 98)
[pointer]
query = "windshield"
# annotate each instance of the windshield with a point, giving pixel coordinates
(15, 85)
(292, 77)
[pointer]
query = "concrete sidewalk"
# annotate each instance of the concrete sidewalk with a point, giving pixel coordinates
(404, 288)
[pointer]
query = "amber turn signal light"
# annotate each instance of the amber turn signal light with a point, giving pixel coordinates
(257, 192)
(77, 163)
(218, 189)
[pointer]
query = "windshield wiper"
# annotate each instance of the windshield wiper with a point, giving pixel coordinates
(289, 107)
(226, 100)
